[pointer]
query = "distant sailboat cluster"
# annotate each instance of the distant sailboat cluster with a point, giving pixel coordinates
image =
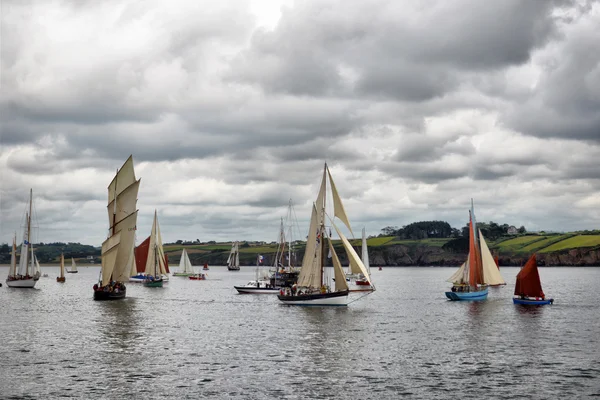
(304, 284)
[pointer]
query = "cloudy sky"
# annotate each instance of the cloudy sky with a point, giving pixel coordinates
(230, 108)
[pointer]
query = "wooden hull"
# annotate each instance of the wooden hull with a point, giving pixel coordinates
(60, 279)
(317, 299)
(114, 295)
(468, 296)
(255, 290)
(72, 272)
(527, 302)
(28, 283)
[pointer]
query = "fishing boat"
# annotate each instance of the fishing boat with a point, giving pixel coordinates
(313, 288)
(73, 269)
(61, 278)
(205, 267)
(528, 289)
(116, 249)
(478, 272)
(233, 261)
(27, 274)
(185, 265)
(155, 260)
(261, 285)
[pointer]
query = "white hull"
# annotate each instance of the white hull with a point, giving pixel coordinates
(22, 283)
(332, 301)
(255, 290)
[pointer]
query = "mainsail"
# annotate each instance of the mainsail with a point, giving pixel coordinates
(528, 280)
(491, 273)
(185, 265)
(155, 263)
(122, 216)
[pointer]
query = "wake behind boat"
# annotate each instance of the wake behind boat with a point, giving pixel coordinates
(27, 274)
(528, 289)
(117, 249)
(313, 287)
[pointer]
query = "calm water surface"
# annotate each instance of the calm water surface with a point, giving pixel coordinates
(199, 339)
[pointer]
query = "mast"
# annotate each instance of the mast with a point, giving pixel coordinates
(322, 227)
(29, 233)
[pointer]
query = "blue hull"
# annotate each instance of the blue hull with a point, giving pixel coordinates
(526, 302)
(468, 296)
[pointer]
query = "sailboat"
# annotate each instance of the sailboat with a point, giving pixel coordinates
(61, 278)
(261, 285)
(27, 274)
(205, 267)
(155, 263)
(528, 289)
(185, 265)
(284, 272)
(313, 288)
(362, 282)
(233, 261)
(73, 269)
(479, 271)
(116, 249)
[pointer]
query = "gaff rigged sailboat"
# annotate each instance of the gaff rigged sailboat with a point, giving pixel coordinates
(73, 269)
(27, 274)
(528, 289)
(472, 279)
(233, 261)
(313, 288)
(122, 219)
(61, 278)
(155, 262)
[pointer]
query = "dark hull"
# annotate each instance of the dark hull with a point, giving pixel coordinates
(101, 295)
(316, 299)
(72, 272)
(233, 269)
(527, 302)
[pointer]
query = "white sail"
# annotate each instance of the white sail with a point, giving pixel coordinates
(13, 258)
(23, 261)
(185, 265)
(131, 264)
(338, 207)
(310, 274)
(340, 279)
(458, 276)
(62, 265)
(109, 257)
(352, 255)
(37, 271)
(365, 251)
(491, 273)
(233, 261)
(73, 265)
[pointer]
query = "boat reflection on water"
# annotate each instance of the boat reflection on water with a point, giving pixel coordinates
(119, 325)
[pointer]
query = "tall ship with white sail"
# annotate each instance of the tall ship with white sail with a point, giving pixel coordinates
(313, 287)
(155, 262)
(116, 249)
(233, 261)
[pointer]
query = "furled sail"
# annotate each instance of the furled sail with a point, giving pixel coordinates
(491, 273)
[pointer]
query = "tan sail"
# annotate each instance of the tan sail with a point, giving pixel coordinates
(62, 266)
(125, 177)
(491, 273)
(340, 278)
(109, 256)
(458, 276)
(131, 265)
(310, 274)
(13, 258)
(338, 207)
(352, 254)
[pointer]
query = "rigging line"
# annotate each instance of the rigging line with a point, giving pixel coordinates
(364, 295)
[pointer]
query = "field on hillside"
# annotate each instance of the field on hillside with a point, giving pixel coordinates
(574, 242)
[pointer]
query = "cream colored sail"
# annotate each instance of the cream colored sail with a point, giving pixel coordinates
(310, 274)
(109, 256)
(155, 263)
(340, 278)
(73, 265)
(491, 273)
(338, 207)
(122, 215)
(458, 276)
(352, 255)
(365, 251)
(62, 265)
(131, 264)
(160, 249)
(13, 258)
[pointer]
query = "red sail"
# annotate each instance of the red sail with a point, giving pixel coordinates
(141, 255)
(497, 261)
(528, 280)
(475, 264)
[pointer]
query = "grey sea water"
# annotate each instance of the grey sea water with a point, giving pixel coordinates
(199, 339)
